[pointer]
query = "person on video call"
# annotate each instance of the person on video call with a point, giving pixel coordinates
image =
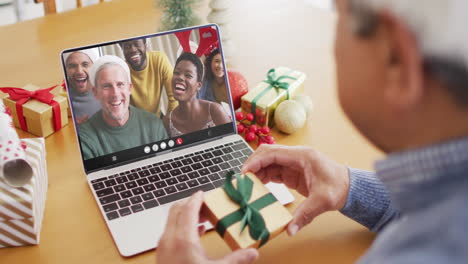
(191, 114)
(77, 65)
(118, 125)
(150, 72)
(411, 59)
(214, 87)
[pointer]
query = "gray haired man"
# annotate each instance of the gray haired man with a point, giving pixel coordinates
(409, 59)
(118, 125)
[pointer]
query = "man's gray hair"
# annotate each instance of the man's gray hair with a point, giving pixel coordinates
(105, 61)
(440, 29)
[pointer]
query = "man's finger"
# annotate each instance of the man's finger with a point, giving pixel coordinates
(274, 155)
(251, 163)
(242, 256)
(201, 230)
(171, 223)
(303, 215)
(189, 216)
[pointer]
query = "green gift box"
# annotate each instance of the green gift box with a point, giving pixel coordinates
(281, 84)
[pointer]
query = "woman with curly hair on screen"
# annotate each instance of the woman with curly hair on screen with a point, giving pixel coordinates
(191, 114)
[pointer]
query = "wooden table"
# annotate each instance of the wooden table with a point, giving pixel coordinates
(267, 33)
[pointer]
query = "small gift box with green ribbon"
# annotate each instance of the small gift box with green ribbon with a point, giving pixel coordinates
(281, 84)
(244, 212)
(36, 110)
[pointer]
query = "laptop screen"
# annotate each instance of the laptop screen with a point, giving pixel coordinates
(139, 97)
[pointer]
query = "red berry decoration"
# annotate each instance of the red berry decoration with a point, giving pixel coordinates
(240, 128)
(269, 139)
(253, 129)
(250, 117)
(239, 116)
(249, 137)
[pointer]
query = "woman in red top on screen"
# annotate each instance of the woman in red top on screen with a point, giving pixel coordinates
(191, 114)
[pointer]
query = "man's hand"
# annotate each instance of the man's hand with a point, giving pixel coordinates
(180, 242)
(324, 182)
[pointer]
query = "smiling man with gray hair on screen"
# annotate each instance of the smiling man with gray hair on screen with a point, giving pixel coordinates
(118, 125)
(409, 61)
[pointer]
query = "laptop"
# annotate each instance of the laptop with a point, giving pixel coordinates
(139, 156)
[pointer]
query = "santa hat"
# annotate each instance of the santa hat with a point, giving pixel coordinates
(107, 59)
(93, 54)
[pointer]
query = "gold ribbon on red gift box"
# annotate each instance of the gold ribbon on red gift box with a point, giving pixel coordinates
(21, 96)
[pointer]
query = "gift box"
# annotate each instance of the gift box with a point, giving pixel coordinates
(62, 91)
(35, 110)
(244, 212)
(22, 209)
(281, 84)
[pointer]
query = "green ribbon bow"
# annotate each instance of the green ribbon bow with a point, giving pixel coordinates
(248, 214)
(273, 83)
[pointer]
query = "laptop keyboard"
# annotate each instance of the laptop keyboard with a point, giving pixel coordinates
(143, 188)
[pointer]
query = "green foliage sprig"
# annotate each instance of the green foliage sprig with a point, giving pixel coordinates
(178, 13)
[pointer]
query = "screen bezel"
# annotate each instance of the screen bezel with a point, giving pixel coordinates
(137, 153)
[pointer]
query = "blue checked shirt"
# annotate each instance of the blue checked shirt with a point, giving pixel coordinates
(417, 201)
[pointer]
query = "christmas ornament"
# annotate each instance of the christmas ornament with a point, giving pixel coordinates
(239, 87)
(177, 13)
(290, 116)
(253, 132)
(306, 102)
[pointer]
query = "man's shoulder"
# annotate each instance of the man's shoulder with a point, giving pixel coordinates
(435, 234)
(452, 210)
(157, 55)
(144, 115)
(88, 128)
(444, 220)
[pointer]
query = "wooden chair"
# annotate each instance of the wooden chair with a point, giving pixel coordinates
(51, 8)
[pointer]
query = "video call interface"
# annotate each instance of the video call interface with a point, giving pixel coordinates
(144, 95)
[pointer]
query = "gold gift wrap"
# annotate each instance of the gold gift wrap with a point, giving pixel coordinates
(22, 209)
(218, 205)
(38, 115)
(281, 83)
(60, 90)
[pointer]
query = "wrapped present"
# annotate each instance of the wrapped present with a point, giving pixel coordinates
(244, 212)
(62, 91)
(14, 167)
(281, 84)
(22, 209)
(35, 110)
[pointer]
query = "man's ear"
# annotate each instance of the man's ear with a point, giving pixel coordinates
(94, 90)
(130, 87)
(404, 84)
